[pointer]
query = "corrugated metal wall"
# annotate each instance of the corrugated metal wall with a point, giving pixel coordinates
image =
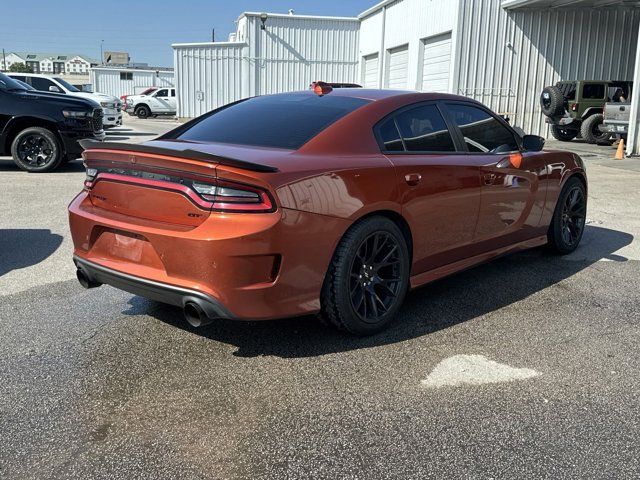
(107, 80)
(505, 58)
(405, 22)
(293, 52)
(208, 76)
(288, 55)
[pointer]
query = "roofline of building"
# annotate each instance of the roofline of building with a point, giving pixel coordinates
(209, 44)
(510, 4)
(375, 8)
(305, 17)
(132, 69)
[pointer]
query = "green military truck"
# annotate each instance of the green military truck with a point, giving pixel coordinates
(575, 108)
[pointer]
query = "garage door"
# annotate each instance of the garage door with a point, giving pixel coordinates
(370, 71)
(436, 63)
(397, 67)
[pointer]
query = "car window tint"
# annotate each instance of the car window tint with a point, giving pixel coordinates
(43, 84)
(593, 91)
(390, 137)
(482, 132)
(423, 130)
(281, 121)
(173, 92)
(162, 93)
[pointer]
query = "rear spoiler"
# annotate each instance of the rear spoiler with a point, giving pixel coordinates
(89, 144)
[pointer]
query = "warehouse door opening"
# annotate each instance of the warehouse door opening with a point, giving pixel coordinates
(397, 68)
(370, 71)
(436, 63)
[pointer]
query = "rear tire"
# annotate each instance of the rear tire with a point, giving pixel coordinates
(367, 279)
(569, 218)
(552, 101)
(37, 149)
(589, 129)
(143, 111)
(563, 134)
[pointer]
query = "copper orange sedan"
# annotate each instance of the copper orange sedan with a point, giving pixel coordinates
(330, 202)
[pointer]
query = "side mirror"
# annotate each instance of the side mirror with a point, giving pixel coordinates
(533, 143)
(53, 88)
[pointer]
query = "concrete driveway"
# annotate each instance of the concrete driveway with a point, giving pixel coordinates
(524, 367)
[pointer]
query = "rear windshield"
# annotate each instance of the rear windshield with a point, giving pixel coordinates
(280, 121)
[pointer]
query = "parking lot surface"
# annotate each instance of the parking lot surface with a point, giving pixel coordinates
(524, 367)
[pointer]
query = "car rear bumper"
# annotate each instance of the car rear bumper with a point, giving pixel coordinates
(158, 291)
(619, 128)
(250, 266)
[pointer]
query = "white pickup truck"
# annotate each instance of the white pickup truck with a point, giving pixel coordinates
(111, 106)
(159, 102)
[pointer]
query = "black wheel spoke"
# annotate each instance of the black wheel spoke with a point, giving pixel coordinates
(375, 276)
(573, 216)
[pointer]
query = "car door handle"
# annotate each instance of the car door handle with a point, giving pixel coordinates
(412, 179)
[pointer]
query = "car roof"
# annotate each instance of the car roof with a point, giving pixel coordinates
(374, 94)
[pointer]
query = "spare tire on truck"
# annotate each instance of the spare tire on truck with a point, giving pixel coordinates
(552, 101)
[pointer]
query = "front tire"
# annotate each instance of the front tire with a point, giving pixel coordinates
(367, 279)
(37, 149)
(569, 218)
(143, 111)
(589, 129)
(563, 134)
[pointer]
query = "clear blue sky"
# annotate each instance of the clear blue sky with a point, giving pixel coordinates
(144, 28)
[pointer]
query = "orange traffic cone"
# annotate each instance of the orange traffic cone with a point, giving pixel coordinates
(620, 150)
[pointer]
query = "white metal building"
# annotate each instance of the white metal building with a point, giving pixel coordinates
(120, 81)
(288, 54)
(500, 52)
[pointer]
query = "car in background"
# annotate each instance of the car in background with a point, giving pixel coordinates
(575, 108)
(146, 91)
(162, 101)
(333, 202)
(41, 130)
(111, 106)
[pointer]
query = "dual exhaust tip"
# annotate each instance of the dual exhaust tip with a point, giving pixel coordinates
(195, 313)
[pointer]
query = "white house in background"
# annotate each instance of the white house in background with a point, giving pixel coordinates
(51, 63)
(11, 58)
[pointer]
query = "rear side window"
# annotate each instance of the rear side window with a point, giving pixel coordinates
(280, 121)
(390, 136)
(423, 130)
(482, 132)
(567, 89)
(593, 91)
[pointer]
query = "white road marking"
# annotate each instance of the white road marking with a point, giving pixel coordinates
(474, 370)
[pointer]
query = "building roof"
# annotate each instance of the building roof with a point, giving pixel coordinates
(58, 56)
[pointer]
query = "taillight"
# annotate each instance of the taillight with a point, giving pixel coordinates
(90, 176)
(228, 196)
(574, 107)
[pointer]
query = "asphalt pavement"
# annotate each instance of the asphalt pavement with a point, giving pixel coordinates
(524, 367)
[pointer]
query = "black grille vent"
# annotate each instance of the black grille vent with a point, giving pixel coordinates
(97, 120)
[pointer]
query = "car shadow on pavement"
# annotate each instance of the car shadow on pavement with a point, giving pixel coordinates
(21, 248)
(439, 305)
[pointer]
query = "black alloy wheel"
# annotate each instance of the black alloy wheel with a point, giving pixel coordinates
(375, 276)
(368, 277)
(35, 150)
(573, 216)
(569, 219)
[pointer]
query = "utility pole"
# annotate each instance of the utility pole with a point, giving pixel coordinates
(101, 54)
(213, 34)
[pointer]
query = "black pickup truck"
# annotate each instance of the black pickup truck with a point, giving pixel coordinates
(41, 130)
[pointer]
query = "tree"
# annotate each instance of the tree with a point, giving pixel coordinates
(20, 68)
